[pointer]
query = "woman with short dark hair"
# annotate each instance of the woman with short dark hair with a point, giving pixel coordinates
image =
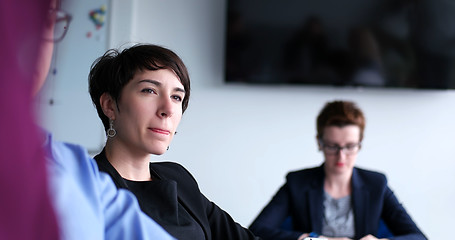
(140, 94)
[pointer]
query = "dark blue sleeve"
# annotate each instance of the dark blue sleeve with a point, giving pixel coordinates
(268, 225)
(398, 220)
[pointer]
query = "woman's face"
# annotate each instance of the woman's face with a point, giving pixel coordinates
(150, 111)
(46, 48)
(341, 160)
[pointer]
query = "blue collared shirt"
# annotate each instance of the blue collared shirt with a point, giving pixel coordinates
(87, 203)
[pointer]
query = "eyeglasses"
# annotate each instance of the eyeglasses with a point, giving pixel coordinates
(60, 20)
(334, 149)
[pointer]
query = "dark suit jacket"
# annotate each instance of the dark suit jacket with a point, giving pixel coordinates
(302, 196)
(216, 223)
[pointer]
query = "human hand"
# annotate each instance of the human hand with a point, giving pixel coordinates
(371, 237)
(323, 237)
(303, 236)
(337, 238)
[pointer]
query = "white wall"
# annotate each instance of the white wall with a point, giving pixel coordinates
(239, 141)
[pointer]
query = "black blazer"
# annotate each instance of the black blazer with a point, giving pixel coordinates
(216, 223)
(302, 196)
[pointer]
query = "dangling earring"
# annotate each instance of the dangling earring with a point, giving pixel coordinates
(167, 149)
(111, 131)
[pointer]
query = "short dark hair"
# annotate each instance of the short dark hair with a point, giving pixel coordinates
(340, 114)
(112, 71)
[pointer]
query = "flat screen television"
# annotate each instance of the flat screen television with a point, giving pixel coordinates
(372, 43)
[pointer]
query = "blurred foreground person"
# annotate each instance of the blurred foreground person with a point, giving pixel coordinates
(50, 189)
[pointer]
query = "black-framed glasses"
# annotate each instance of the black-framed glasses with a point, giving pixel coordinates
(60, 20)
(333, 149)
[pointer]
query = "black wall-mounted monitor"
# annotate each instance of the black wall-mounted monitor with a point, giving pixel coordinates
(373, 43)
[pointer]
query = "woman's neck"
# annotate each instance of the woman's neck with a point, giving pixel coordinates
(129, 165)
(338, 186)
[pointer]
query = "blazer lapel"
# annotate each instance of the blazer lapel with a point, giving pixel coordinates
(182, 200)
(360, 202)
